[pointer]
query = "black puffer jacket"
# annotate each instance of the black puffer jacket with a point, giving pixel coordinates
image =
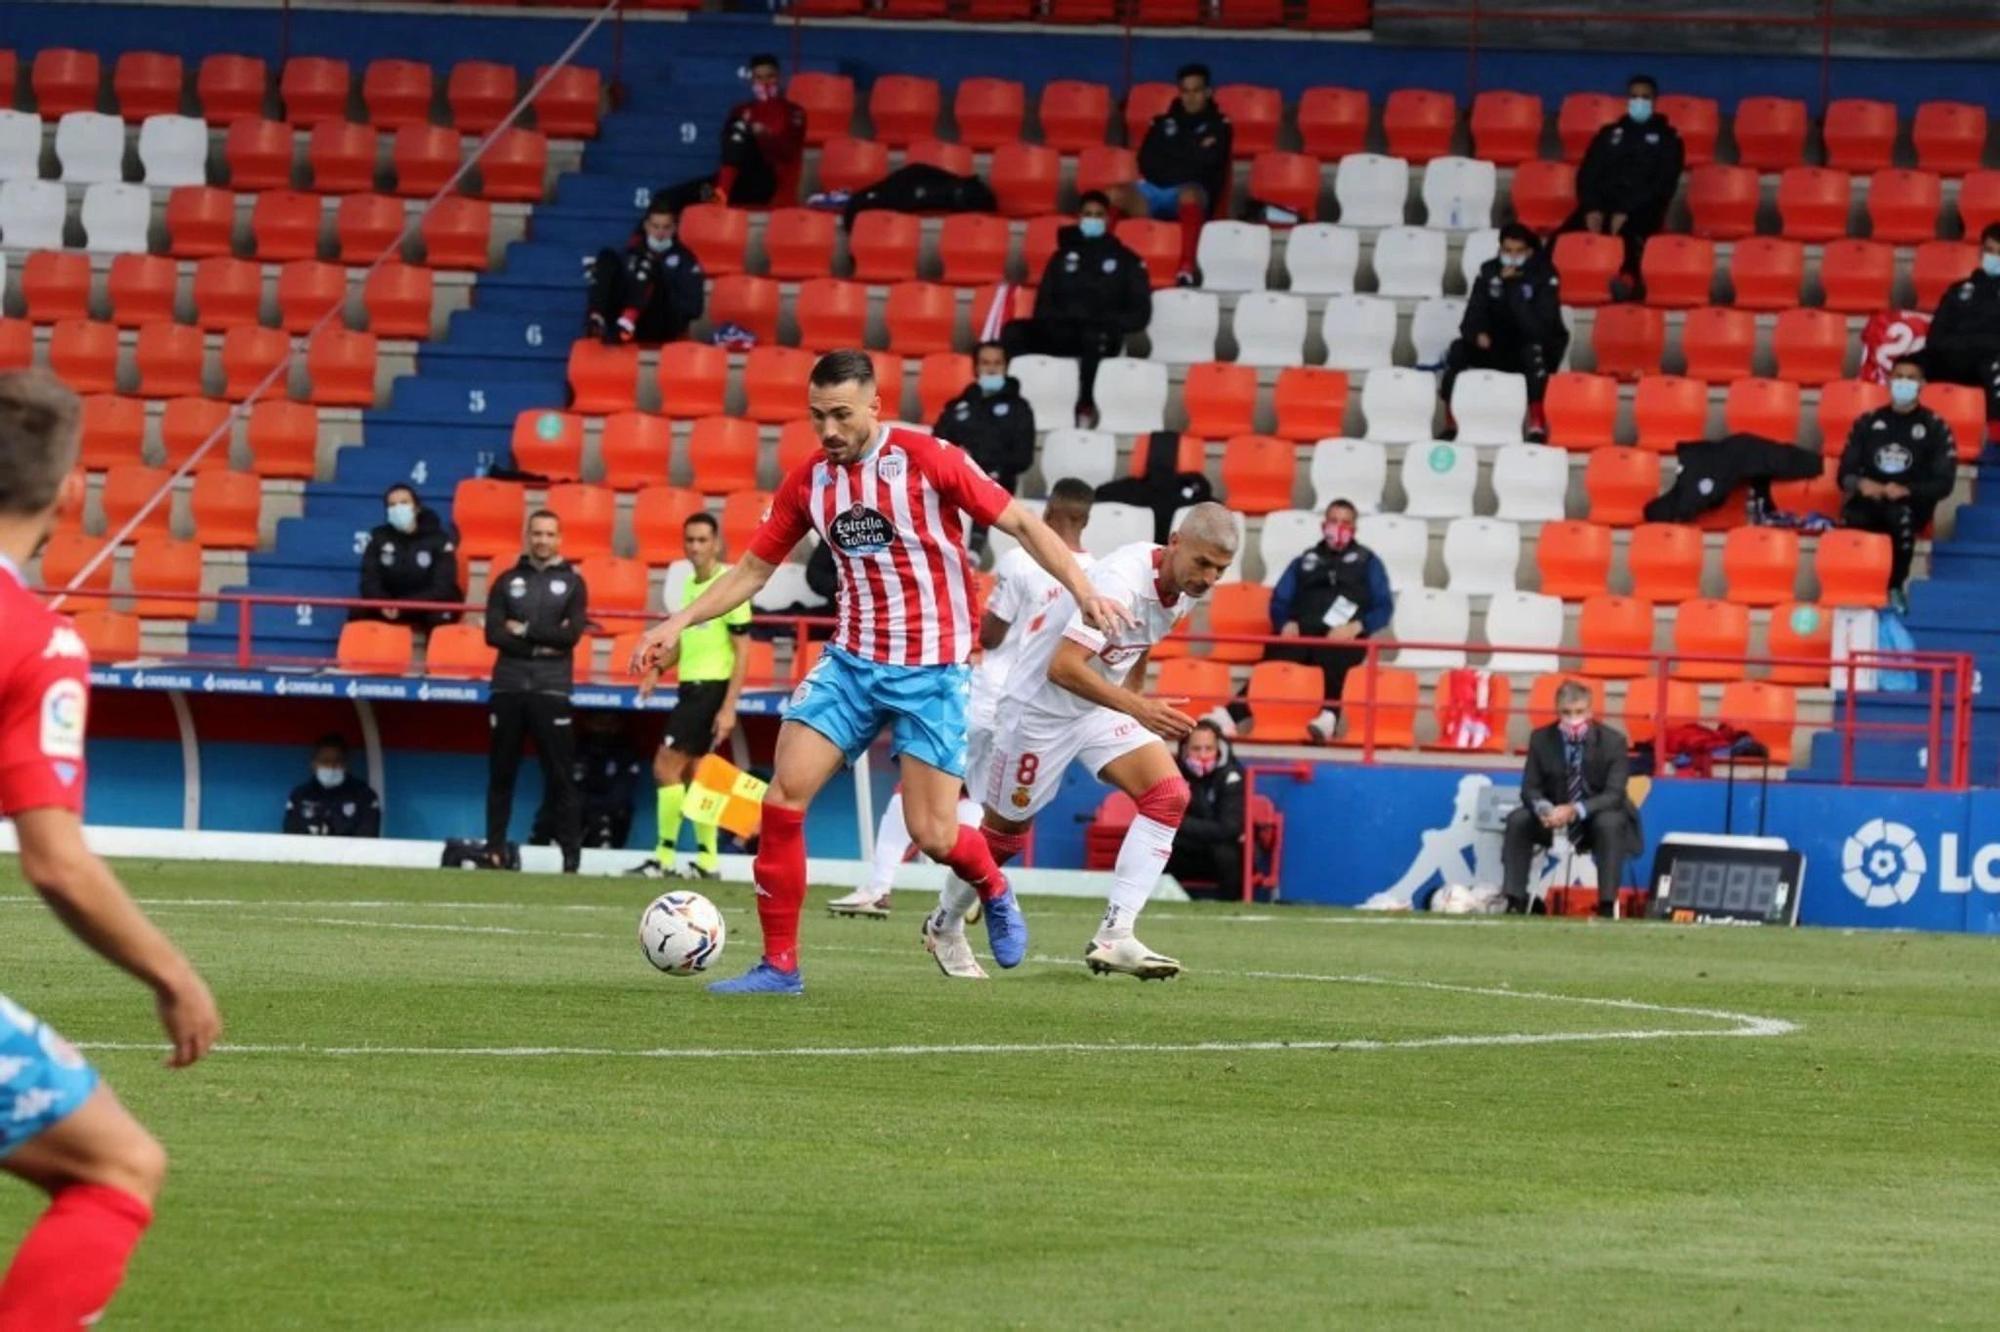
(997, 429)
(1097, 279)
(416, 566)
(1215, 802)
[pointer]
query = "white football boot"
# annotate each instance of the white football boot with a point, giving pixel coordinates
(861, 902)
(1129, 957)
(952, 953)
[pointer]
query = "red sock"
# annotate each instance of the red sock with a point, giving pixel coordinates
(994, 850)
(1537, 418)
(1192, 218)
(69, 1266)
(780, 873)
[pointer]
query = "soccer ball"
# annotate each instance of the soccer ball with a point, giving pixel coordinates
(681, 933)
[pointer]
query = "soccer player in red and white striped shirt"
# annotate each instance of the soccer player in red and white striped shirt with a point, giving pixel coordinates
(893, 502)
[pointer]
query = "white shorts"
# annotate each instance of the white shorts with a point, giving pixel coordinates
(978, 760)
(1031, 751)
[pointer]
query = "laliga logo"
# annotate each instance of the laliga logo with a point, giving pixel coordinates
(1883, 864)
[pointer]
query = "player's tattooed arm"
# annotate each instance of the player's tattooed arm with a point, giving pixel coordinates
(742, 582)
(1047, 549)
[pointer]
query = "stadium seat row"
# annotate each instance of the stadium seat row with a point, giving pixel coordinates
(224, 292)
(171, 360)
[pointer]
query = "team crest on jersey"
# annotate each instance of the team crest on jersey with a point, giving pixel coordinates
(861, 531)
(1893, 459)
(890, 468)
(62, 720)
(1022, 797)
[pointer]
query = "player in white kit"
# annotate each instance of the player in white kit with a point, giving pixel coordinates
(1073, 696)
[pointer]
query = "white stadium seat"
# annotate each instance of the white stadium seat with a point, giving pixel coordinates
(1270, 329)
(1132, 395)
(32, 213)
(1401, 542)
(91, 147)
(1184, 327)
(1356, 470)
(1287, 534)
(1398, 404)
(1458, 193)
(1091, 456)
(20, 145)
(1359, 332)
(1439, 480)
(1114, 525)
(1531, 483)
(116, 218)
(1321, 259)
(1372, 190)
(1431, 615)
(788, 587)
(173, 150)
(1525, 620)
(998, 543)
(1479, 246)
(1490, 406)
(1409, 261)
(1049, 385)
(1481, 556)
(1234, 256)
(1234, 574)
(1434, 327)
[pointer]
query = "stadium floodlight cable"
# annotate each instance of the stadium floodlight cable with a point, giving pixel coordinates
(411, 225)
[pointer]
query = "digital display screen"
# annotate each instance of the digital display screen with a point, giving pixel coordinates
(1750, 884)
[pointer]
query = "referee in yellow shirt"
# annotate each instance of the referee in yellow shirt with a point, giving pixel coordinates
(713, 660)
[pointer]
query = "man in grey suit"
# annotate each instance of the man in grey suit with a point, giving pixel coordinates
(1574, 784)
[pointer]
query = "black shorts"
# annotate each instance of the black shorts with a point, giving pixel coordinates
(691, 725)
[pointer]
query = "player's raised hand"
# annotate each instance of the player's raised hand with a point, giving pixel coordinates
(1105, 614)
(1163, 717)
(191, 1019)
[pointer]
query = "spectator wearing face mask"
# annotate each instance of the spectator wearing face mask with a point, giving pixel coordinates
(1899, 464)
(1574, 787)
(652, 290)
(333, 802)
(1094, 294)
(1963, 345)
(411, 556)
(991, 420)
(1629, 176)
(763, 144)
(1513, 322)
(1207, 857)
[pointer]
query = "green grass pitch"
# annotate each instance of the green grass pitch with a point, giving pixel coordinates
(1331, 1120)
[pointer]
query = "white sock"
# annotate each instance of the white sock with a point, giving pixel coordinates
(892, 844)
(970, 812)
(954, 901)
(1142, 859)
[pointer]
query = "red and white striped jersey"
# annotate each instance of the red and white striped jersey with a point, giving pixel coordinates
(893, 522)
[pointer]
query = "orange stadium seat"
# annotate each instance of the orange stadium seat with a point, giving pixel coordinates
(1221, 400)
(828, 101)
(1287, 180)
(1860, 135)
(231, 88)
(1903, 206)
(249, 353)
(989, 112)
(1950, 137)
(1799, 630)
(1767, 272)
(1311, 403)
(170, 359)
(1852, 567)
(1574, 558)
(774, 383)
(797, 442)
(941, 377)
(398, 92)
(1388, 720)
(112, 430)
(618, 585)
(1255, 113)
(111, 636)
(637, 450)
(1940, 263)
(1839, 403)
(284, 438)
(1811, 345)
(188, 423)
(458, 233)
(1816, 494)
(973, 248)
(1157, 243)
(1419, 123)
(259, 154)
(1582, 410)
(1768, 711)
(659, 512)
(1979, 202)
(373, 647)
(1542, 696)
(603, 378)
(227, 509)
(1284, 696)
(549, 443)
(480, 93)
(1586, 264)
(284, 224)
(889, 380)
(1856, 276)
(1074, 115)
(142, 288)
(1718, 343)
(1333, 122)
(589, 516)
(1679, 271)
(307, 289)
(314, 89)
(1770, 132)
(990, 315)
(1143, 102)
(1203, 681)
(1582, 115)
(1506, 126)
(1767, 407)
(567, 105)
(851, 164)
(398, 298)
(884, 245)
(742, 513)
(1239, 609)
(127, 487)
(693, 380)
(166, 575)
(55, 284)
(65, 80)
(17, 344)
(1814, 202)
(921, 317)
(1964, 410)
(1082, 11)
(1760, 565)
(1714, 629)
(227, 292)
(1043, 238)
(1499, 709)
(1257, 472)
(953, 157)
(1722, 201)
(423, 158)
(1544, 194)
(84, 355)
(904, 108)
(201, 221)
(722, 451)
(1665, 560)
(1620, 482)
(798, 243)
(751, 302)
(1191, 455)
(460, 652)
(1642, 713)
(1105, 166)
(365, 225)
(490, 515)
(1628, 340)
(147, 83)
(1612, 624)
(719, 235)
(341, 364)
(1025, 178)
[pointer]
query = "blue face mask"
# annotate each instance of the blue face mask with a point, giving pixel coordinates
(1639, 108)
(1903, 392)
(658, 245)
(403, 517)
(992, 383)
(1512, 260)
(1091, 227)
(1989, 264)
(329, 777)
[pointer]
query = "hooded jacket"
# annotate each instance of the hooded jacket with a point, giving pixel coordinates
(1098, 279)
(415, 566)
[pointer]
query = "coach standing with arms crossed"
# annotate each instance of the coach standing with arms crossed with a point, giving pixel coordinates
(535, 613)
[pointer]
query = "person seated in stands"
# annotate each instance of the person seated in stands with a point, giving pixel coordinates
(333, 802)
(1629, 176)
(763, 144)
(412, 555)
(1899, 464)
(1094, 294)
(1573, 786)
(1963, 346)
(652, 290)
(991, 420)
(1208, 848)
(1513, 322)
(1184, 165)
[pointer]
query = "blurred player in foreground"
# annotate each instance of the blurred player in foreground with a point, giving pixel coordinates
(61, 1129)
(893, 503)
(1020, 586)
(1073, 696)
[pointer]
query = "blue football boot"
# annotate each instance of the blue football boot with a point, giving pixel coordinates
(1006, 929)
(761, 979)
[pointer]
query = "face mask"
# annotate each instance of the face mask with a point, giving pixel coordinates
(1201, 767)
(1575, 730)
(1903, 392)
(330, 777)
(992, 383)
(1091, 227)
(1510, 260)
(1639, 108)
(658, 246)
(1989, 264)
(403, 517)
(1338, 535)
(764, 92)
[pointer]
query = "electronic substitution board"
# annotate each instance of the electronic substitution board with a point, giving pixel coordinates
(1705, 880)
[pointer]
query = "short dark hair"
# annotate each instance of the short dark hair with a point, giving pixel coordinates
(661, 205)
(1195, 70)
(843, 367)
(1094, 197)
(334, 742)
(705, 519)
(994, 343)
(761, 59)
(1915, 361)
(1991, 232)
(1346, 504)
(407, 489)
(1652, 84)
(1072, 493)
(39, 439)
(1514, 231)
(549, 514)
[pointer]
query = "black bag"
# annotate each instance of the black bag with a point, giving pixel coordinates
(1163, 489)
(470, 853)
(1712, 469)
(922, 189)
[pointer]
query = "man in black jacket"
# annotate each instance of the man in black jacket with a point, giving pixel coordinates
(991, 420)
(1184, 164)
(1899, 464)
(1573, 784)
(411, 556)
(535, 612)
(1093, 295)
(1963, 345)
(1208, 850)
(1513, 322)
(1628, 178)
(651, 291)
(335, 803)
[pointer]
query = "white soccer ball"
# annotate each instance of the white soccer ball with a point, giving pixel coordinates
(682, 933)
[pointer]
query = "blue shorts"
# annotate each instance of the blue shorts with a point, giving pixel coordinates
(1163, 202)
(848, 700)
(42, 1077)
